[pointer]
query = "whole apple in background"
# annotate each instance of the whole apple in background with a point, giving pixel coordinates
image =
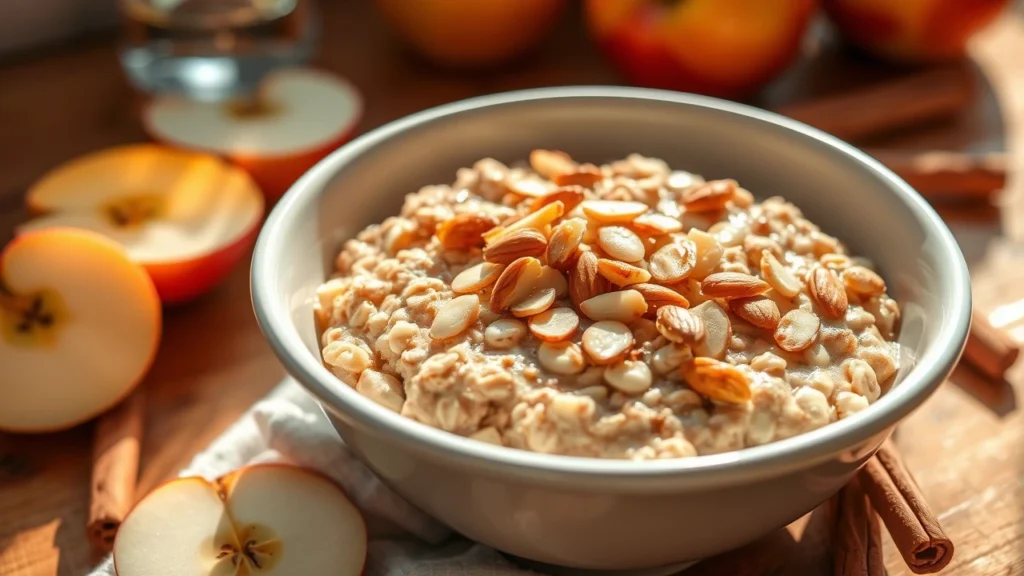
(79, 328)
(912, 31)
(726, 48)
(188, 218)
(472, 33)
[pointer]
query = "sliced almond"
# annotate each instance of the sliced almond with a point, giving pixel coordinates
(673, 262)
(555, 324)
(780, 278)
(708, 196)
(476, 277)
(569, 196)
(493, 233)
(754, 245)
(620, 243)
(733, 285)
(530, 187)
(861, 280)
(565, 239)
(827, 292)
(629, 377)
(465, 230)
(563, 358)
(657, 296)
(551, 278)
(585, 175)
(677, 324)
(607, 342)
(455, 317)
(536, 221)
(797, 330)
(535, 303)
(656, 224)
(620, 273)
(550, 163)
(517, 282)
(613, 211)
(717, 380)
(758, 310)
(717, 330)
(515, 245)
(709, 253)
(584, 280)
(623, 306)
(504, 333)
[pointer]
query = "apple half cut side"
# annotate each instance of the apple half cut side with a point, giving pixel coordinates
(79, 328)
(186, 217)
(299, 116)
(268, 519)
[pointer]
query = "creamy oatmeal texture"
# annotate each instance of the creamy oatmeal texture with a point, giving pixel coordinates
(616, 311)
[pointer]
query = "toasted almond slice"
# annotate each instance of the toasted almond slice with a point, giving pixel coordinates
(679, 181)
(585, 175)
(758, 310)
(455, 317)
(569, 196)
(629, 377)
(677, 324)
(709, 196)
(517, 281)
(607, 341)
(563, 358)
(514, 245)
(476, 277)
(717, 330)
(673, 262)
(537, 220)
(465, 230)
(780, 278)
(551, 278)
(565, 239)
(530, 187)
(620, 243)
(613, 211)
(861, 280)
(623, 306)
(717, 380)
(797, 330)
(733, 285)
(827, 292)
(493, 234)
(535, 303)
(709, 253)
(657, 296)
(584, 281)
(620, 273)
(555, 324)
(656, 224)
(550, 163)
(504, 333)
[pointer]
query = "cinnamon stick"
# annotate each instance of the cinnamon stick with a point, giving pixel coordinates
(911, 523)
(947, 175)
(991, 350)
(858, 536)
(115, 469)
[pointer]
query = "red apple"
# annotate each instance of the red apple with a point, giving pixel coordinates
(727, 48)
(188, 218)
(912, 31)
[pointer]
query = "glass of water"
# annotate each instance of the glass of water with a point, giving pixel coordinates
(213, 50)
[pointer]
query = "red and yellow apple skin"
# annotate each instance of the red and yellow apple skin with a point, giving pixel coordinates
(725, 48)
(912, 31)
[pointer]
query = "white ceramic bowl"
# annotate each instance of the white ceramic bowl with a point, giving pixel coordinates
(593, 513)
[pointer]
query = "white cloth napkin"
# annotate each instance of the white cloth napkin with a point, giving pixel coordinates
(289, 427)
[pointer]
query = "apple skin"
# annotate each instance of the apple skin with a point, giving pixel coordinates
(471, 33)
(275, 174)
(741, 45)
(912, 31)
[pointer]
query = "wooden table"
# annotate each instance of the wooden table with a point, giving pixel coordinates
(964, 444)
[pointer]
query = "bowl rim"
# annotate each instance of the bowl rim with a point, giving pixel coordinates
(771, 459)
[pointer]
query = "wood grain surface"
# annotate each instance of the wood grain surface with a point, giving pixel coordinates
(964, 444)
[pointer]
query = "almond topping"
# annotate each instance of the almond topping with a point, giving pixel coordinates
(797, 330)
(455, 316)
(465, 230)
(476, 277)
(780, 278)
(677, 324)
(620, 273)
(657, 296)
(563, 358)
(555, 324)
(514, 245)
(629, 377)
(758, 310)
(530, 187)
(516, 282)
(607, 342)
(717, 380)
(717, 329)
(585, 175)
(584, 281)
(613, 211)
(709, 253)
(623, 306)
(620, 243)
(551, 278)
(537, 221)
(827, 292)
(673, 262)
(863, 280)
(504, 333)
(732, 285)
(565, 239)
(550, 163)
(535, 303)
(708, 196)
(656, 224)
(569, 196)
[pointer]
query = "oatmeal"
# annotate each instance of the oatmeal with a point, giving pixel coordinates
(618, 311)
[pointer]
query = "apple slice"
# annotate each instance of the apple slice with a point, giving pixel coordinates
(298, 117)
(79, 327)
(268, 519)
(186, 217)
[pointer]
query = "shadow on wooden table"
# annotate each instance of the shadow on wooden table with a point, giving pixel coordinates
(997, 396)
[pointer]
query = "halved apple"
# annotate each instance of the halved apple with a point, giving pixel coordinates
(186, 217)
(298, 117)
(79, 328)
(265, 519)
